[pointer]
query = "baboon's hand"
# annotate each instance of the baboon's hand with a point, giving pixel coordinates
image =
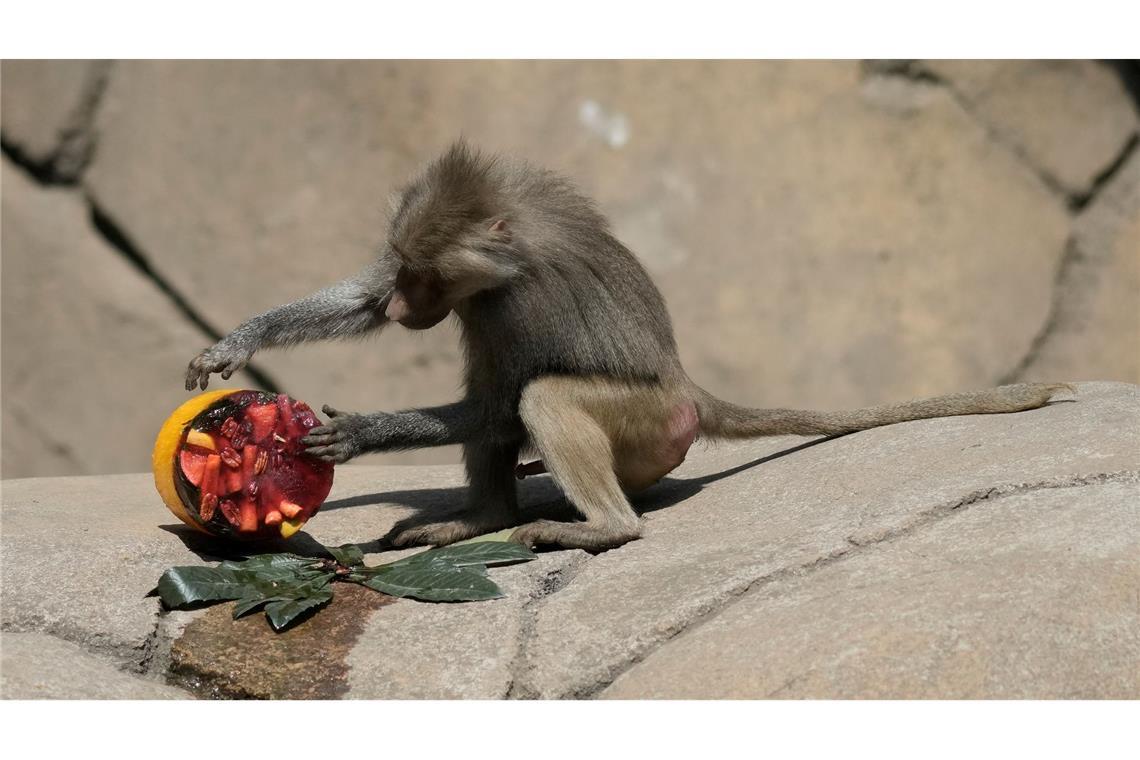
(222, 357)
(341, 439)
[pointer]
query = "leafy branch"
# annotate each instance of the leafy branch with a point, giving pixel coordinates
(287, 585)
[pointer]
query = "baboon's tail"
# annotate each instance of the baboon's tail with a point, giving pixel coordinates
(721, 419)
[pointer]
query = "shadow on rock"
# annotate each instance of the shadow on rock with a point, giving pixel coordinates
(540, 497)
(212, 549)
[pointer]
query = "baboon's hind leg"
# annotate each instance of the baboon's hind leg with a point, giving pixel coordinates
(577, 453)
(650, 431)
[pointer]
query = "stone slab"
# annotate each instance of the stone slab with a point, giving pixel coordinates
(38, 666)
(734, 516)
(464, 651)
(92, 359)
(778, 204)
(1096, 320)
(1071, 119)
(39, 102)
(109, 538)
(1030, 596)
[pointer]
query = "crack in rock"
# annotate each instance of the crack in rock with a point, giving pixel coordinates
(555, 580)
(1080, 201)
(77, 137)
(1061, 279)
(127, 657)
(913, 70)
(1076, 202)
(65, 167)
(115, 236)
(1063, 284)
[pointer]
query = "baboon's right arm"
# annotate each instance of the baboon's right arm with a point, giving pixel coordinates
(350, 307)
(347, 435)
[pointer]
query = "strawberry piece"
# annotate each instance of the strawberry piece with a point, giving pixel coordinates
(193, 464)
(211, 475)
(249, 454)
(231, 480)
(248, 520)
(285, 414)
(248, 463)
(263, 418)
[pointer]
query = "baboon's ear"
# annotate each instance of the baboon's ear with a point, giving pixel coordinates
(500, 225)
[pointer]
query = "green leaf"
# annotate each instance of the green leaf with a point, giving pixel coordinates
(180, 586)
(246, 606)
(349, 555)
(433, 584)
(463, 555)
(267, 562)
(282, 612)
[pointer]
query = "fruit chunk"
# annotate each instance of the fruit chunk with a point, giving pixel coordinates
(264, 419)
(247, 520)
(193, 465)
(198, 438)
(241, 469)
(289, 509)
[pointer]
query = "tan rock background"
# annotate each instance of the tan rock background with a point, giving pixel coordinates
(827, 234)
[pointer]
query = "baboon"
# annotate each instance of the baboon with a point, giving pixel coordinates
(569, 354)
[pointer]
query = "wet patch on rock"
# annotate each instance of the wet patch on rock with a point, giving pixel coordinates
(217, 656)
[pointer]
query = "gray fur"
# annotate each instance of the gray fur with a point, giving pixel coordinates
(349, 308)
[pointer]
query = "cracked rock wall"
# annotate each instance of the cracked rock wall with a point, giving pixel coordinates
(826, 234)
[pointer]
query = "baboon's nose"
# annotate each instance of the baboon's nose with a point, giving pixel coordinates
(397, 307)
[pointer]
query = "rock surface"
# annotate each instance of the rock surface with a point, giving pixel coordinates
(905, 227)
(989, 556)
(1069, 119)
(46, 109)
(1096, 309)
(791, 193)
(1030, 596)
(92, 352)
(38, 666)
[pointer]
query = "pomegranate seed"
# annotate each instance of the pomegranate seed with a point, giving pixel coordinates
(261, 461)
(209, 504)
(231, 457)
(229, 427)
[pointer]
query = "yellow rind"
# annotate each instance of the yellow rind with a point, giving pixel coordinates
(289, 527)
(165, 456)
